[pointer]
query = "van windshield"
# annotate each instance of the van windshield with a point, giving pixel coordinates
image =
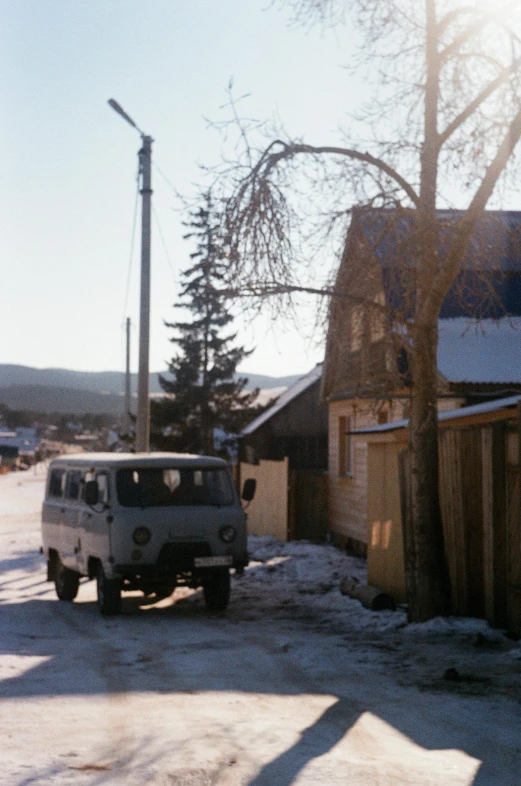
(166, 486)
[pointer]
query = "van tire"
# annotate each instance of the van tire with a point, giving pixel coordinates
(109, 593)
(216, 589)
(66, 581)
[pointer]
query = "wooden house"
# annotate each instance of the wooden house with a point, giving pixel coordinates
(366, 376)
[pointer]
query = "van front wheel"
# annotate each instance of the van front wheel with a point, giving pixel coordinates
(109, 593)
(216, 588)
(66, 581)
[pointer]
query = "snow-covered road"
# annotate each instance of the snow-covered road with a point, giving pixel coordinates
(294, 684)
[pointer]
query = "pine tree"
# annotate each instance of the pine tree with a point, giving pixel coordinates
(203, 393)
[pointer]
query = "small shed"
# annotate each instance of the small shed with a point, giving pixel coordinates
(288, 445)
(294, 426)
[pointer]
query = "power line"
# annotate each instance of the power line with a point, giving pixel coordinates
(166, 179)
(163, 243)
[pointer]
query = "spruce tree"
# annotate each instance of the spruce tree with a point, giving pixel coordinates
(203, 392)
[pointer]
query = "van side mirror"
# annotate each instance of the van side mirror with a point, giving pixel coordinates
(248, 490)
(91, 493)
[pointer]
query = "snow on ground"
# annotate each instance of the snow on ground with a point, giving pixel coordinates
(294, 684)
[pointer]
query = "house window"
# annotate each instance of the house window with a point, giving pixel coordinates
(345, 447)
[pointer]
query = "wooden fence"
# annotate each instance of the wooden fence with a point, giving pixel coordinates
(480, 495)
(289, 504)
(268, 511)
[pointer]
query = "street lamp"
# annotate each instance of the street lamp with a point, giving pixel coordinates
(142, 443)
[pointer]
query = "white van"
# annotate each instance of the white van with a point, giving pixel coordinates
(146, 522)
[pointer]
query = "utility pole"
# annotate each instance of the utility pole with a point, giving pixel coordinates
(143, 382)
(126, 419)
(142, 442)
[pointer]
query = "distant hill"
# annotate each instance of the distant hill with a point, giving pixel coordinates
(77, 392)
(68, 401)
(109, 381)
(97, 381)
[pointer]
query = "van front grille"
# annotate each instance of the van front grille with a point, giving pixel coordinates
(179, 557)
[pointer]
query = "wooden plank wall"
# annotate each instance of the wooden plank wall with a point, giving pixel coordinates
(480, 495)
(513, 496)
(268, 511)
(461, 501)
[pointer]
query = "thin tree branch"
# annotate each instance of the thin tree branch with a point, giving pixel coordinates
(274, 289)
(472, 30)
(471, 216)
(480, 98)
(453, 16)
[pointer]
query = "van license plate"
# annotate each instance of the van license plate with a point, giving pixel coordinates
(213, 562)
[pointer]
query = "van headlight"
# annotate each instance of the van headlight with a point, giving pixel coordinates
(141, 536)
(228, 534)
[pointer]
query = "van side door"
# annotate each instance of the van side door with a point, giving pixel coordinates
(94, 526)
(53, 511)
(71, 542)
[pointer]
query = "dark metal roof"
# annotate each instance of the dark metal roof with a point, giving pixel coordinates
(489, 282)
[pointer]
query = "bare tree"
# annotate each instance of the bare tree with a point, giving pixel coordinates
(445, 115)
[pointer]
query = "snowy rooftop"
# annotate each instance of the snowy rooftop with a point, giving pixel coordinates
(488, 351)
(452, 414)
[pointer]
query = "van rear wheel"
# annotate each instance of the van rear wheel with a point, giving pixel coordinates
(109, 593)
(66, 581)
(216, 589)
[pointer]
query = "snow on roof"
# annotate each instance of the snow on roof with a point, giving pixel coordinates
(452, 414)
(289, 395)
(484, 351)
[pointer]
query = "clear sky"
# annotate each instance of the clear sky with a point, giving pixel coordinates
(68, 169)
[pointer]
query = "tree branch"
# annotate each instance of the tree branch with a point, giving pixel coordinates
(274, 289)
(472, 30)
(269, 160)
(480, 98)
(453, 16)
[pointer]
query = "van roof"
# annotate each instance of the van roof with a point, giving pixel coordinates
(126, 460)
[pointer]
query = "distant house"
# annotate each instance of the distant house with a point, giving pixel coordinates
(23, 441)
(8, 457)
(366, 372)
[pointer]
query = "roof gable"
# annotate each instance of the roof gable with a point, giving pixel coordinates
(286, 398)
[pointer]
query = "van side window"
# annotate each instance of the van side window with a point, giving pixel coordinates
(72, 489)
(56, 483)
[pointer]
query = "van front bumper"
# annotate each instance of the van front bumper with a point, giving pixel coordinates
(175, 559)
